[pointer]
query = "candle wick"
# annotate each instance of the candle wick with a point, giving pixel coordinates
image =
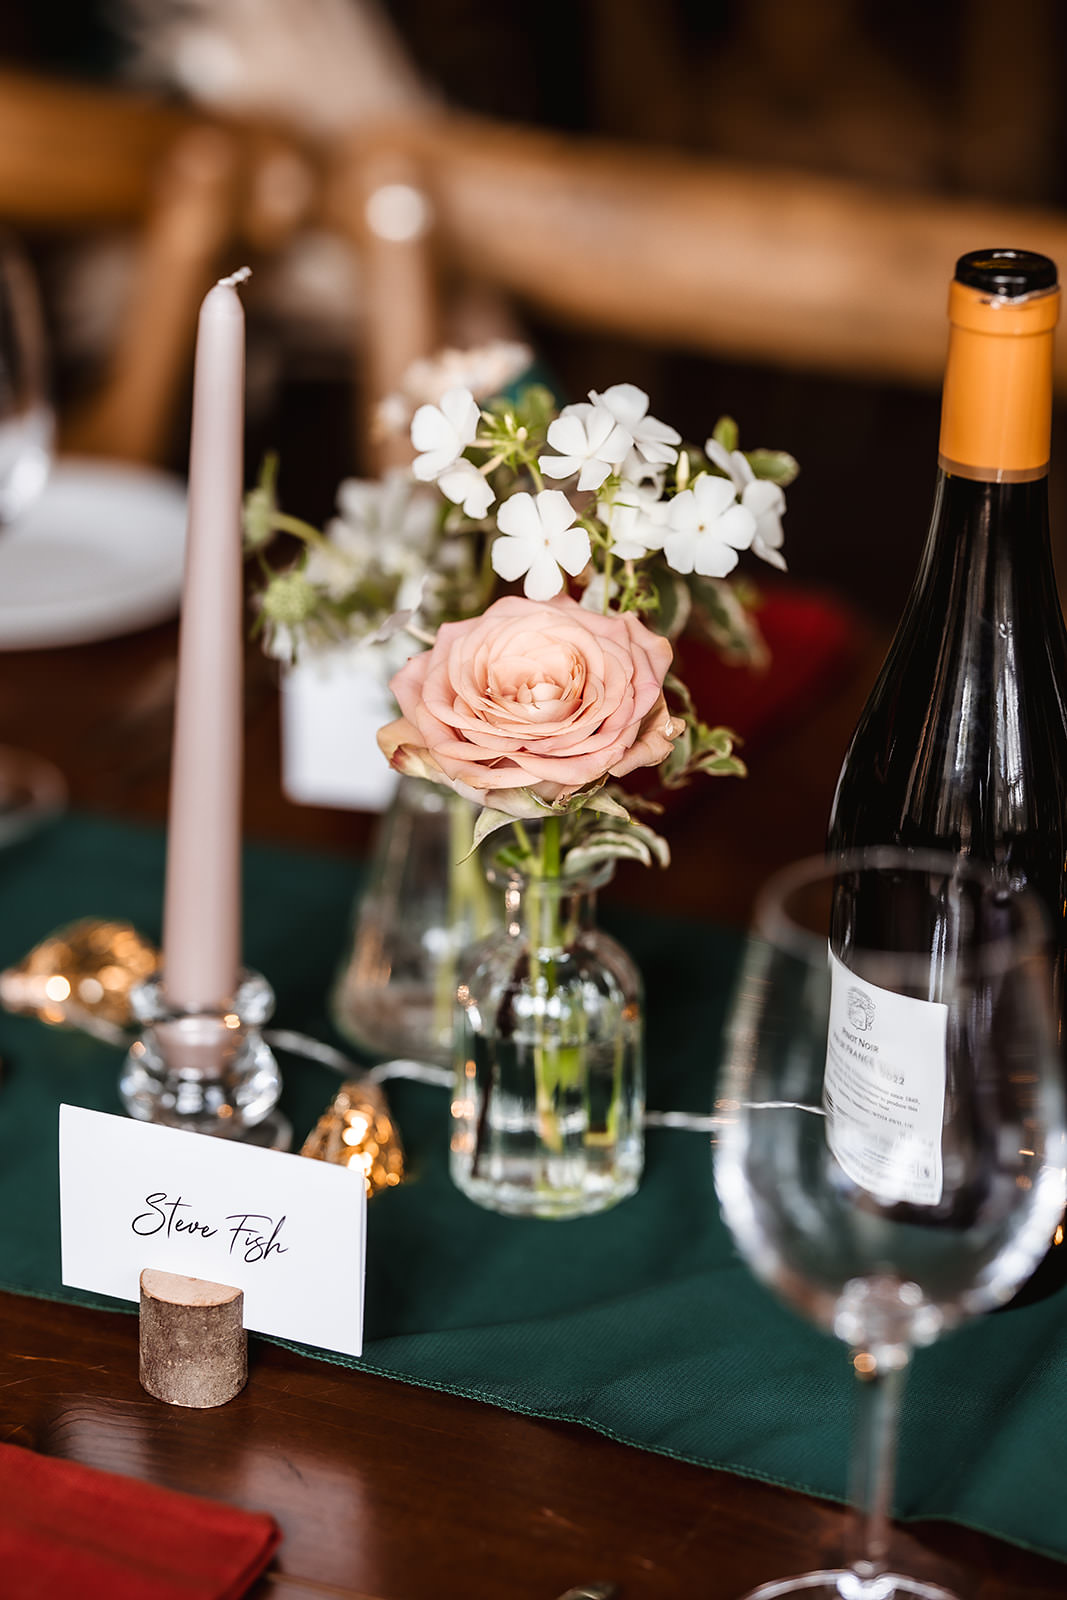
(235, 278)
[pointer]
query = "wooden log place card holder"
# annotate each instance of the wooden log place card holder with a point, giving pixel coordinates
(211, 1237)
(194, 1348)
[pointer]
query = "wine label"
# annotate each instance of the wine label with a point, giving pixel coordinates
(884, 1088)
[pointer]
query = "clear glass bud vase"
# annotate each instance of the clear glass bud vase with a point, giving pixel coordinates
(547, 1117)
(426, 901)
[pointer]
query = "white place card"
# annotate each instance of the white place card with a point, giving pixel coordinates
(288, 1231)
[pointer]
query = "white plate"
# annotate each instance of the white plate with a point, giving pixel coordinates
(99, 554)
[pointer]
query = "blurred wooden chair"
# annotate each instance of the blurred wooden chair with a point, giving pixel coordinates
(791, 269)
(193, 189)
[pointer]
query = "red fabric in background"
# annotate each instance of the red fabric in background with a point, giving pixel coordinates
(70, 1530)
(812, 640)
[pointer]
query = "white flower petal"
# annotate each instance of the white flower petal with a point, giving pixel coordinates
(763, 498)
(459, 407)
(544, 578)
(719, 456)
(567, 433)
(742, 472)
(571, 549)
(679, 548)
(630, 549)
(426, 467)
(713, 496)
(656, 440)
(712, 558)
(626, 402)
(768, 553)
(683, 514)
(593, 596)
(616, 447)
(555, 511)
(593, 474)
(510, 557)
(737, 527)
(431, 429)
(518, 516)
(464, 485)
(559, 466)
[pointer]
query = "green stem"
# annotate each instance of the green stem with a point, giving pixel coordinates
(609, 562)
(524, 840)
(546, 938)
(550, 847)
(470, 911)
(284, 523)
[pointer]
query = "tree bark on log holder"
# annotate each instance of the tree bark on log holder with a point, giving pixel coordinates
(194, 1349)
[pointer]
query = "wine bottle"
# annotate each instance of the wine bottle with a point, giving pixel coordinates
(962, 746)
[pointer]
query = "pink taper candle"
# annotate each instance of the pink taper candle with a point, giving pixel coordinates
(202, 920)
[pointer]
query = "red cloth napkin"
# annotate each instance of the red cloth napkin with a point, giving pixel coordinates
(66, 1530)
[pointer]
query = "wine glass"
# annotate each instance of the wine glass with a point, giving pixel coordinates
(30, 787)
(892, 1151)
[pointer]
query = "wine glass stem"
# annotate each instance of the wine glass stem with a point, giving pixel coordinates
(882, 1374)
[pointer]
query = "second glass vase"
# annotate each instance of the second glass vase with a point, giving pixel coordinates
(547, 1116)
(426, 901)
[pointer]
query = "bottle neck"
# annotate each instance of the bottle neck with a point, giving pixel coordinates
(996, 412)
(989, 550)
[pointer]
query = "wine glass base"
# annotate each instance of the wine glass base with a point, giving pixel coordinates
(841, 1584)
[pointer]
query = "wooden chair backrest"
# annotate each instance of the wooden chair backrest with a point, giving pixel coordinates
(762, 265)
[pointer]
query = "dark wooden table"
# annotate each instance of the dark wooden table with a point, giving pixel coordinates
(384, 1490)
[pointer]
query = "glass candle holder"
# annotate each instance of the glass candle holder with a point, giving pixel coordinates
(206, 1071)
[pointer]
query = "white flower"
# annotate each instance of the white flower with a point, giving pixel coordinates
(279, 643)
(391, 416)
(706, 528)
(763, 498)
(634, 516)
(629, 406)
(539, 537)
(465, 486)
(485, 369)
(442, 433)
(339, 566)
(635, 469)
(590, 442)
(383, 526)
(598, 592)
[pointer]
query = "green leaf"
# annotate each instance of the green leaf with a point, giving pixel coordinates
(720, 740)
(677, 763)
(725, 433)
(609, 842)
(606, 847)
(487, 822)
(721, 766)
(674, 686)
(777, 465)
(607, 805)
(673, 602)
(725, 622)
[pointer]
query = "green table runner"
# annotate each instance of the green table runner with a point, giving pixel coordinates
(642, 1322)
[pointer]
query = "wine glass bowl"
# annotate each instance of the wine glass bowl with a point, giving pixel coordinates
(891, 1159)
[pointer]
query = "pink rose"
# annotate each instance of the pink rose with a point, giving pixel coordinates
(542, 697)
